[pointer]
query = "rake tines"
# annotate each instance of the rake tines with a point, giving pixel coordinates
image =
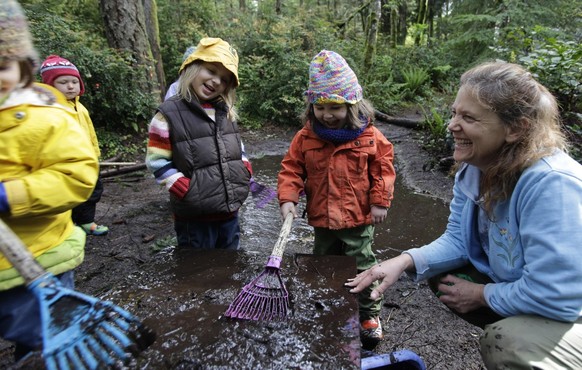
(111, 338)
(261, 194)
(97, 333)
(264, 298)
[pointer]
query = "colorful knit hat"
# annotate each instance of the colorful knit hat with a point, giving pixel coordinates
(212, 49)
(331, 80)
(15, 39)
(55, 66)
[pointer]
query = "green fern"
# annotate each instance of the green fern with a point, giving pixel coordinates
(415, 78)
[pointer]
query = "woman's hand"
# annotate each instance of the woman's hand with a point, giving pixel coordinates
(286, 208)
(461, 295)
(388, 271)
(378, 214)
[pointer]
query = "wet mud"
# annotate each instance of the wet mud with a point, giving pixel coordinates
(184, 299)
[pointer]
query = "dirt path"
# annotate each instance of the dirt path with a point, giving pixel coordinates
(413, 318)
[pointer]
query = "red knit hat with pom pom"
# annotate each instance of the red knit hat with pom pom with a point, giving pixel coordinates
(55, 66)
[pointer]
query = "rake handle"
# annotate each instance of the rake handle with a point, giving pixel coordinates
(279, 247)
(17, 253)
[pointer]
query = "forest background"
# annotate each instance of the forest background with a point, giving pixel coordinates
(408, 54)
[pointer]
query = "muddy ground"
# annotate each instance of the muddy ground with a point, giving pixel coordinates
(413, 317)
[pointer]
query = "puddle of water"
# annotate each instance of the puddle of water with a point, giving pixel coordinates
(184, 295)
(184, 298)
(413, 220)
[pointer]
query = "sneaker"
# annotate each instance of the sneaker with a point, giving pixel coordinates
(371, 332)
(94, 229)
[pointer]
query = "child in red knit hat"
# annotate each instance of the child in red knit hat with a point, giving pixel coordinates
(65, 77)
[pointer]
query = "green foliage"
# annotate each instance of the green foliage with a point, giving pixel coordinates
(417, 33)
(379, 86)
(574, 132)
(435, 132)
(273, 88)
(557, 64)
(476, 29)
(113, 93)
(164, 243)
(414, 80)
(275, 50)
(182, 29)
(123, 147)
(406, 75)
(86, 11)
(473, 35)
(273, 69)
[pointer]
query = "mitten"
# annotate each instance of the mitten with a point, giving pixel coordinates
(180, 187)
(4, 206)
(248, 166)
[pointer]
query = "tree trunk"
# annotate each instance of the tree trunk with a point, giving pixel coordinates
(372, 39)
(153, 32)
(393, 27)
(125, 29)
(421, 20)
(384, 27)
(403, 26)
(430, 19)
(344, 25)
(364, 16)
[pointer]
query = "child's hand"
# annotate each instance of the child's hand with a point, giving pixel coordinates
(286, 208)
(378, 214)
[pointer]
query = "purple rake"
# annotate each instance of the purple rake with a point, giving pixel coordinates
(265, 298)
(262, 194)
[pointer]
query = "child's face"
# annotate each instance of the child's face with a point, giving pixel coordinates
(70, 86)
(211, 81)
(9, 77)
(331, 115)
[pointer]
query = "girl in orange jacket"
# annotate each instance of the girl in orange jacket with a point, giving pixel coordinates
(345, 167)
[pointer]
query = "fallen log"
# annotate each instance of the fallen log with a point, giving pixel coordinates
(398, 121)
(117, 163)
(123, 170)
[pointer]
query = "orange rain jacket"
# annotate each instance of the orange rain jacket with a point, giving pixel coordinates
(341, 182)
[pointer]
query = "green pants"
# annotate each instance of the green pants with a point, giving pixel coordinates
(354, 242)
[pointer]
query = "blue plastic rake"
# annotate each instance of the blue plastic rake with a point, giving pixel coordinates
(79, 331)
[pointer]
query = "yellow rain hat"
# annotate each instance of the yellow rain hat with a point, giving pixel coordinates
(212, 49)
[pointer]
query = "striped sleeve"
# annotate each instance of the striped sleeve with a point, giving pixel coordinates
(245, 159)
(159, 153)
